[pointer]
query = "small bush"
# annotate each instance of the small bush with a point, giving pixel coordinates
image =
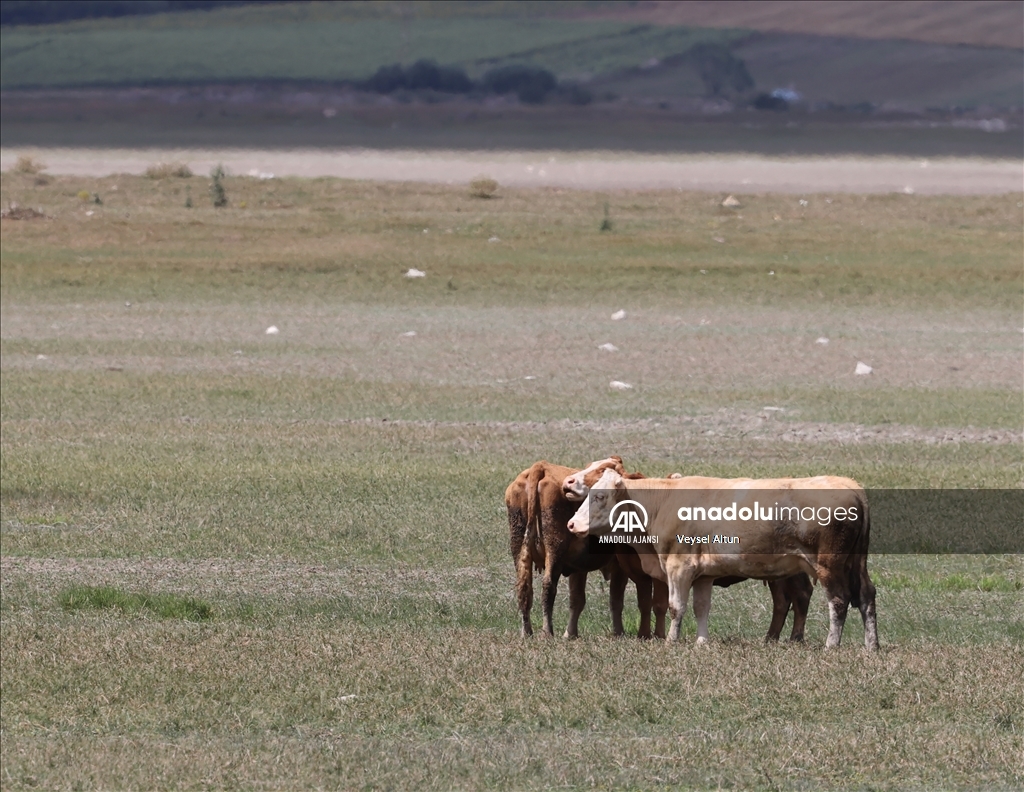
(422, 75)
(27, 164)
(576, 94)
(530, 83)
(606, 224)
(483, 187)
(720, 70)
(169, 170)
(217, 192)
(166, 606)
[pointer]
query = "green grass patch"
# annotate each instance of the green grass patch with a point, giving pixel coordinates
(166, 606)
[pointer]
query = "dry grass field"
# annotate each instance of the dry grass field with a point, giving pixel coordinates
(234, 560)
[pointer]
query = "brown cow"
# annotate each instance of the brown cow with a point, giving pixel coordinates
(537, 515)
(816, 525)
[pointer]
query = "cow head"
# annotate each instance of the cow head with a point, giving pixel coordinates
(576, 486)
(608, 490)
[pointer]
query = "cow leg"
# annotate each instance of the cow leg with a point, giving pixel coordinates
(679, 581)
(644, 600)
(616, 596)
(577, 599)
(837, 608)
(780, 610)
(524, 588)
(660, 607)
(702, 607)
(552, 571)
(799, 590)
(867, 609)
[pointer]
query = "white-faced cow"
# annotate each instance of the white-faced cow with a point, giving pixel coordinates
(819, 526)
(793, 592)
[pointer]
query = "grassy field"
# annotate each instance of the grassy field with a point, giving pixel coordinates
(327, 42)
(239, 560)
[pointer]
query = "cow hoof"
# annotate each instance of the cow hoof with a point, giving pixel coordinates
(702, 641)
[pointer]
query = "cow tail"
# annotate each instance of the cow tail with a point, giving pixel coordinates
(533, 508)
(859, 580)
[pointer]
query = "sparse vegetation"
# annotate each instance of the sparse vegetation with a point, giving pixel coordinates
(483, 187)
(28, 164)
(169, 170)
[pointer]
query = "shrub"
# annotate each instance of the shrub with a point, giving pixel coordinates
(167, 170)
(483, 187)
(422, 75)
(576, 94)
(217, 193)
(530, 83)
(720, 70)
(27, 164)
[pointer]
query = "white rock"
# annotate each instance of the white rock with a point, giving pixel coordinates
(237, 352)
(803, 202)
(494, 239)
(415, 273)
(703, 272)
(908, 190)
(531, 377)
(272, 330)
(265, 176)
(616, 385)
(771, 272)
(90, 213)
(609, 347)
(822, 341)
(863, 368)
(774, 409)
(426, 230)
(409, 334)
(719, 240)
(42, 357)
(620, 314)
(730, 201)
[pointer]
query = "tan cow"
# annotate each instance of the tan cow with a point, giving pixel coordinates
(794, 591)
(768, 541)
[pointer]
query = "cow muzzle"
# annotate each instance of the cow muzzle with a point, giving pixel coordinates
(573, 488)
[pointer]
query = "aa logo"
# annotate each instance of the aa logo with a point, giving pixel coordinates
(627, 520)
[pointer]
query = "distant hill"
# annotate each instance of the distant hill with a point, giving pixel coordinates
(983, 23)
(635, 51)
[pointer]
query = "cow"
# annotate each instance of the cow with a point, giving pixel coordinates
(537, 515)
(794, 591)
(770, 543)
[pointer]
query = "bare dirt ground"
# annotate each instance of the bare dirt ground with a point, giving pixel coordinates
(597, 171)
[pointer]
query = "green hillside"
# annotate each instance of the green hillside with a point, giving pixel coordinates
(324, 42)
